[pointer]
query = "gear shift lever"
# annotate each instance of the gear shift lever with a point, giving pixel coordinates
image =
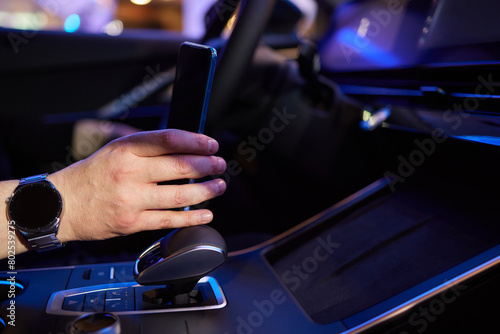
(179, 260)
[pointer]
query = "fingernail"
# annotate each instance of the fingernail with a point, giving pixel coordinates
(222, 165)
(213, 146)
(206, 217)
(220, 187)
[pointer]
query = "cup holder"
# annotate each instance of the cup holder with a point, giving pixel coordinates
(96, 323)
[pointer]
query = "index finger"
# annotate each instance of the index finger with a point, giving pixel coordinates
(170, 141)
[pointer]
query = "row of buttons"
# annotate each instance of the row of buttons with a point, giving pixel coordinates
(112, 300)
(131, 298)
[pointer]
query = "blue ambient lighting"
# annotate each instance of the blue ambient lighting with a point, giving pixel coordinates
(490, 140)
(16, 284)
(366, 90)
(366, 48)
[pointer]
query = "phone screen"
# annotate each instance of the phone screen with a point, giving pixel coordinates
(192, 86)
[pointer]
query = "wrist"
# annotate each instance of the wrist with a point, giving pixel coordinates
(65, 232)
(9, 238)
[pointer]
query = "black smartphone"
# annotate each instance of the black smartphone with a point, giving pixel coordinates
(191, 92)
(192, 86)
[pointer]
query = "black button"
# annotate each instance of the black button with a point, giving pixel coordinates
(124, 274)
(94, 302)
(73, 303)
(100, 274)
(121, 293)
(119, 305)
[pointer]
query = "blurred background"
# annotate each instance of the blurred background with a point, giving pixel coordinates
(103, 16)
(113, 16)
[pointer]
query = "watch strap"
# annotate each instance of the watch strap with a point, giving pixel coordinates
(33, 179)
(44, 242)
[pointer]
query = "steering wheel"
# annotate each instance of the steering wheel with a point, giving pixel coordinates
(234, 57)
(237, 54)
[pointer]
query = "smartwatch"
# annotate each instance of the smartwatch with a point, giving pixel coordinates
(35, 208)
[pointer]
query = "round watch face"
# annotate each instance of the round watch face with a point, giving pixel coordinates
(35, 206)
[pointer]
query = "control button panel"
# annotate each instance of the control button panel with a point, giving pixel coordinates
(127, 298)
(119, 299)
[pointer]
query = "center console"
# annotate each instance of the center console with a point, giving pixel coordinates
(371, 259)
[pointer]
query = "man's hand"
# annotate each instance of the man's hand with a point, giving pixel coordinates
(115, 191)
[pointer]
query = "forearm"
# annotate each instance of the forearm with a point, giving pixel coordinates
(8, 236)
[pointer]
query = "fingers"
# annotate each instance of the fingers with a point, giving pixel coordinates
(178, 196)
(175, 196)
(175, 167)
(155, 220)
(170, 141)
